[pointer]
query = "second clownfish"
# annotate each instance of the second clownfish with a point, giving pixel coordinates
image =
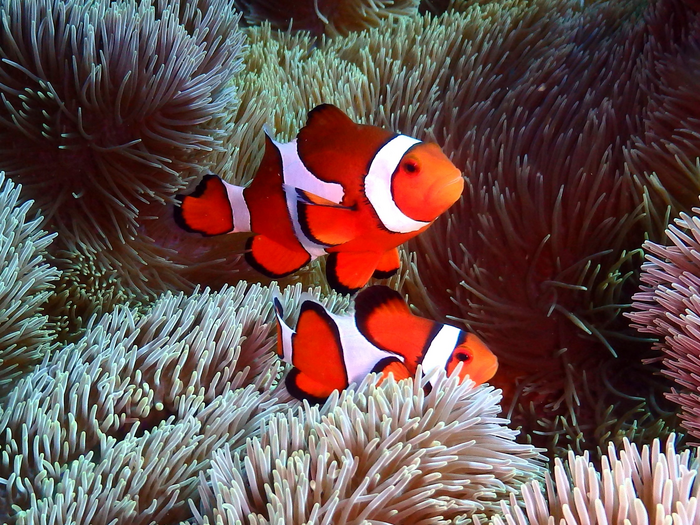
(354, 192)
(329, 351)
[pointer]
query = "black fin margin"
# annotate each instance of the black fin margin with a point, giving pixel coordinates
(248, 255)
(332, 113)
(381, 274)
(279, 310)
(298, 393)
(383, 363)
(332, 276)
(304, 223)
(369, 300)
(198, 192)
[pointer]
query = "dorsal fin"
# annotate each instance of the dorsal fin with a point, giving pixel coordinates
(324, 118)
(380, 300)
(336, 149)
(384, 318)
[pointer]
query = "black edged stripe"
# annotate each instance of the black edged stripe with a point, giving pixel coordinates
(462, 338)
(378, 222)
(434, 331)
(391, 185)
(278, 307)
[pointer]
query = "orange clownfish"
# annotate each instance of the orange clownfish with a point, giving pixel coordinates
(352, 191)
(329, 351)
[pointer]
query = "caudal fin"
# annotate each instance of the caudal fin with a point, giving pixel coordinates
(318, 355)
(207, 210)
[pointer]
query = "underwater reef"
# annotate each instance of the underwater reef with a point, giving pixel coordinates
(138, 378)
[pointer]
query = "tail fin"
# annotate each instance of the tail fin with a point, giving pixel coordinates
(284, 333)
(318, 355)
(207, 210)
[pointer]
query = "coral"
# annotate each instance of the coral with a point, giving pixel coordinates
(668, 306)
(118, 425)
(385, 454)
(26, 281)
(330, 17)
(630, 487)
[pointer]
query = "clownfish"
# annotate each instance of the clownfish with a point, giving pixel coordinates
(352, 191)
(329, 351)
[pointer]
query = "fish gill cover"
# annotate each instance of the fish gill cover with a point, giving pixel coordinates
(576, 126)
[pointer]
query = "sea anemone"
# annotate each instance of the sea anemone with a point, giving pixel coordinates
(26, 282)
(668, 306)
(388, 453)
(540, 256)
(330, 17)
(119, 424)
(632, 487)
(105, 105)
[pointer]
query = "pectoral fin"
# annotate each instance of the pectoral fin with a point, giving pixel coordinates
(330, 225)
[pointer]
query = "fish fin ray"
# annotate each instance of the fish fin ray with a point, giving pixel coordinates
(322, 119)
(308, 197)
(383, 318)
(301, 386)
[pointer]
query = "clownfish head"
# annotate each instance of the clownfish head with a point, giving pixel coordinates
(479, 363)
(426, 183)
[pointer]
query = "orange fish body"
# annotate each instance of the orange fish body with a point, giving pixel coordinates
(353, 191)
(329, 352)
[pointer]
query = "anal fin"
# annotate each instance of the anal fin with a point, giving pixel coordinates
(272, 259)
(347, 272)
(388, 264)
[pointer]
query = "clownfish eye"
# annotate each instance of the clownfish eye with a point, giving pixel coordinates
(411, 166)
(462, 356)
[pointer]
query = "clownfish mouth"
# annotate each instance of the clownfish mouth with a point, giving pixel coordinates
(445, 195)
